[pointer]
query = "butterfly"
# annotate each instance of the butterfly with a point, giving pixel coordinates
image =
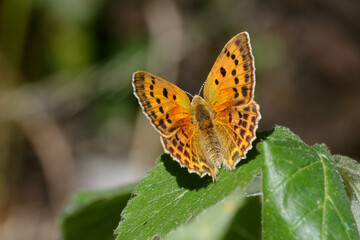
(210, 131)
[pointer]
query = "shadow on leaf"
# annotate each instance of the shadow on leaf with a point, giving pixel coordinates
(193, 181)
(184, 179)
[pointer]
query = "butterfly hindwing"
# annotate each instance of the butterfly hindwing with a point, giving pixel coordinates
(166, 105)
(231, 80)
(239, 125)
(184, 148)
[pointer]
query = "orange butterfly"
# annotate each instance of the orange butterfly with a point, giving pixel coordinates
(211, 131)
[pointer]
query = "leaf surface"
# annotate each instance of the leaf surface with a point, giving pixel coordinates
(94, 215)
(349, 170)
(303, 193)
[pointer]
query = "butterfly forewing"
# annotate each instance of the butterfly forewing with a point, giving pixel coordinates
(231, 80)
(167, 106)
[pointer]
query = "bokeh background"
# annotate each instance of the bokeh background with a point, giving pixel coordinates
(68, 117)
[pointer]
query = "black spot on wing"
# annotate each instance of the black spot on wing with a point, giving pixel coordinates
(246, 78)
(165, 92)
(162, 124)
(246, 66)
(223, 71)
(243, 57)
(180, 148)
(242, 133)
(186, 154)
(244, 91)
(241, 102)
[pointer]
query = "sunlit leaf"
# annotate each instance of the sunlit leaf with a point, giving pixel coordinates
(303, 194)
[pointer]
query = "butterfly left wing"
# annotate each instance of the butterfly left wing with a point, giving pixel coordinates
(184, 148)
(166, 105)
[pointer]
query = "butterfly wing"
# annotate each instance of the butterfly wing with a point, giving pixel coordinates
(184, 148)
(231, 81)
(238, 125)
(169, 110)
(229, 89)
(166, 105)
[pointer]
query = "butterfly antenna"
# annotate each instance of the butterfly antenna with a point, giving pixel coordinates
(189, 94)
(202, 86)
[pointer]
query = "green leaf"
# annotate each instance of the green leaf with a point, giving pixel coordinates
(169, 196)
(237, 217)
(247, 222)
(349, 170)
(303, 194)
(94, 214)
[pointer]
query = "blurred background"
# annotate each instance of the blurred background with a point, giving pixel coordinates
(68, 117)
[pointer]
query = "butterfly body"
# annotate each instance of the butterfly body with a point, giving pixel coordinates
(207, 135)
(209, 131)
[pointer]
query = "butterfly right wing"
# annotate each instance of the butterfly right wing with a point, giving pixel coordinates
(166, 105)
(231, 81)
(229, 89)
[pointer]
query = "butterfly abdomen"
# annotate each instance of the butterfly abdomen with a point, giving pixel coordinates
(212, 148)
